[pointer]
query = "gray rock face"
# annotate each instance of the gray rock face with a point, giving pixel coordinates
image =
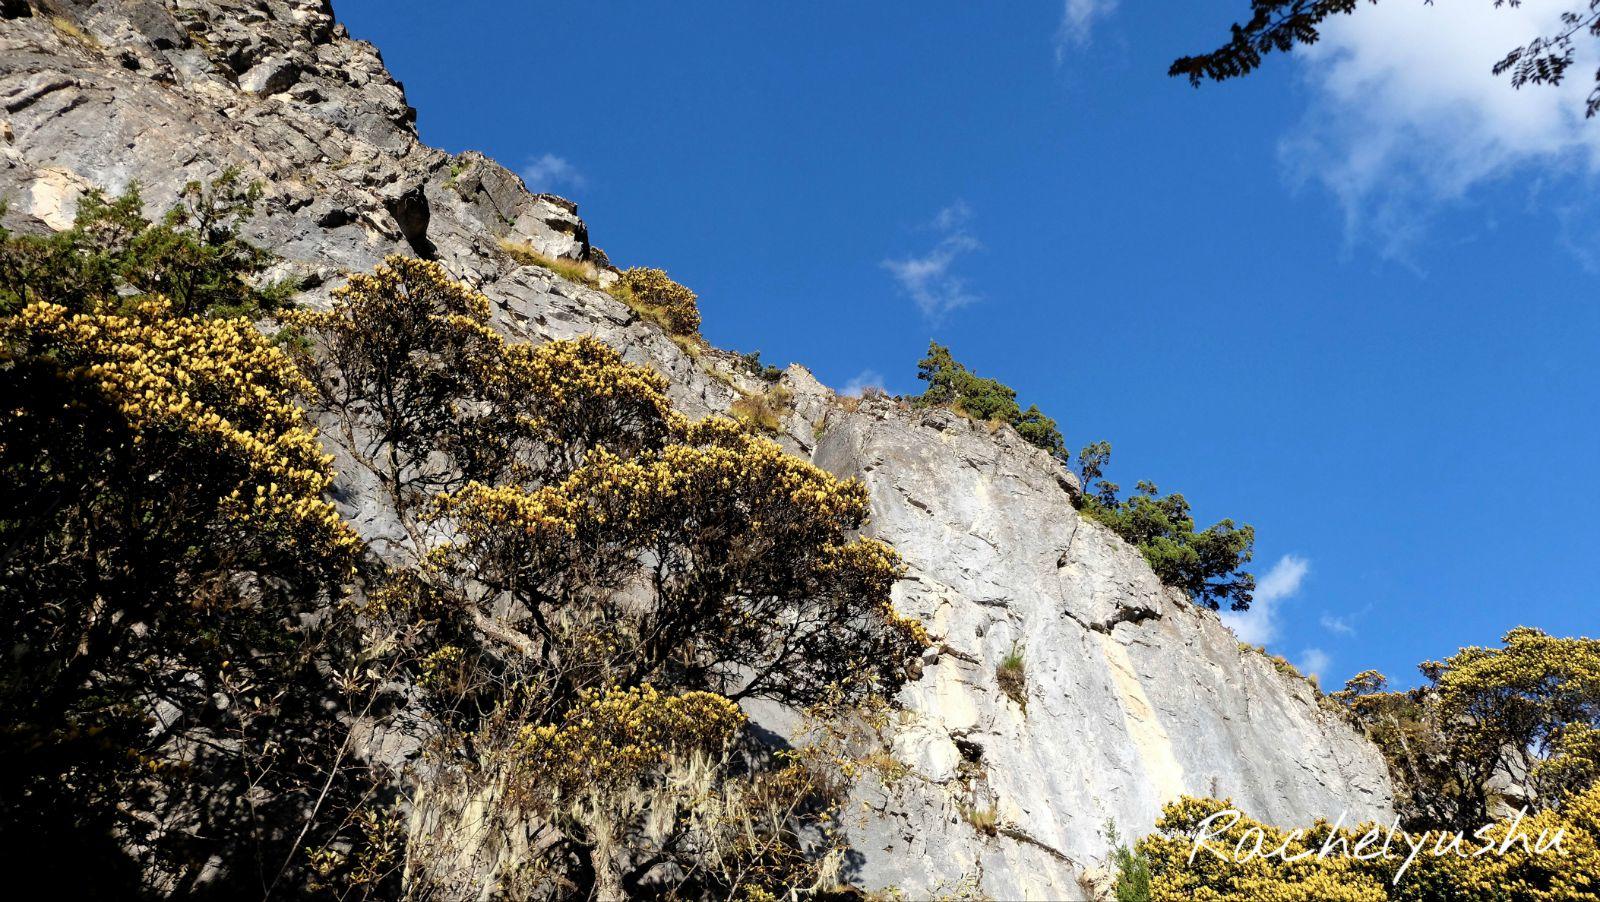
(1132, 694)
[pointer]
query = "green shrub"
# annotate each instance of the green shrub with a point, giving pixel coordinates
(752, 362)
(1130, 868)
(1012, 676)
(954, 386)
(113, 257)
(1205, 565)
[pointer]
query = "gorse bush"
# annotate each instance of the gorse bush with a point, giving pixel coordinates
(653, 293)
(166, 546)
(1206, 565)
(952, 385)
(166, 554)
(1523, 713)
(1227, 868)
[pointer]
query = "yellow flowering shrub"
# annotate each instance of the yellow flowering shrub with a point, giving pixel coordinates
(1482, 715)
(613, 740)
(435, 397)
(1365, 864)
(182, 387)
(746, 548)
(170, 556)
(1573, 765)
(655, 294)
(579, 394)
(402, 358)
(581, 543)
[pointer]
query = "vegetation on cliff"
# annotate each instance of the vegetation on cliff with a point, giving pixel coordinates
(954, 386)
(579, 589)
(1207, 564)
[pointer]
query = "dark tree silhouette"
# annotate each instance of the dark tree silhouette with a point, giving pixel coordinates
(1279, 25)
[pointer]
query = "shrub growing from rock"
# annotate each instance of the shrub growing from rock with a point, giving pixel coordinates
(952, 385)
(595, 583)
(655, 294)
(1012, 677)
(193, 258)
(1206, 565)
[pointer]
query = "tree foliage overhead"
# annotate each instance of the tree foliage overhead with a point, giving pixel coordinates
(952, 385)
(1206, 565)
(1279, 25)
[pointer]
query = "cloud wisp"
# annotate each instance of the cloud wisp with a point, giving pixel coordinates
(862, 381)
(1314, 662)
(928, 279)
(1406, 119)
(1338, 625)
(550, 173)
(1078, 18)
(1259, 625)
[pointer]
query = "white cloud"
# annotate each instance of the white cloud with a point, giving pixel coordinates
(862, 381)
(1259, 625)
(1337, 625)
(953, 218)
(928, 279)
(1406, 117)
(1314, 662)
(1077, 22)
(551, 173)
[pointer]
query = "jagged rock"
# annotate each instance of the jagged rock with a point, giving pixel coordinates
(1133, 695)
(272, 76)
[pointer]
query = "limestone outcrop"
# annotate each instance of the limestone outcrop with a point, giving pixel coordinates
(1130, 696)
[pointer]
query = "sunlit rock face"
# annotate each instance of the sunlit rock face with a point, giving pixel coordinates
(1132, 695)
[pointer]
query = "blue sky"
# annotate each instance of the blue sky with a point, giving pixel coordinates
(1349, 300)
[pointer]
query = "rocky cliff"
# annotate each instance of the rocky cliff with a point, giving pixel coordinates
(1130, 695)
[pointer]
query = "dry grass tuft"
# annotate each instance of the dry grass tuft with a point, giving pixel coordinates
(763, 410)
(1013, 678)
(579, 271)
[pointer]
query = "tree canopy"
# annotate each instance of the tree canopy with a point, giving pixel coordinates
(952, 385)
(1206, 565)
